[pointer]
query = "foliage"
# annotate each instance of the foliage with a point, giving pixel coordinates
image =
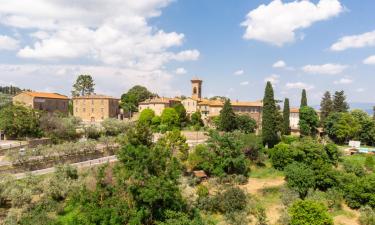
(135, 95)
(341, 127)
(59, 128)
(246, 124)
(366, 133)
(300, 178)
(308, 212)
(326, 106)
(181, 111)
(84, 85)
(303, 99)
(360, 191)
(286, 121)
(282, 155)
(114, 127)
(367, 216)
(169, 118)
(176, 142)
(5, 100)
(18, 121)
(196, 119)
(339, 102)
(92, 132)
(308, 121)
(370, 162)
(146, 117)
(228, 120)
(269, 115)
(223, 154)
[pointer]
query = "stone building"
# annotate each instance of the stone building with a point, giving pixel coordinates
(208, 108)
(95, 108)
(158, 104)
(50, 102)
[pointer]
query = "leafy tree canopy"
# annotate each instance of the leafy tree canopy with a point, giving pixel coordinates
(84, 85)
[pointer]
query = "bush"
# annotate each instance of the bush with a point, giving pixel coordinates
(92, 132)
(146, 117)
(60, 128)
(354, 167)
(246, 124)
(202, 191)
(289, 139)
(308, 212)
(300, 178)
(114, 127)
(232, 199)
(367, 216)
(170, 119)
(369, 162)
(281, 155)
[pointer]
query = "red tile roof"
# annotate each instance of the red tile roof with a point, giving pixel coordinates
(45, 95)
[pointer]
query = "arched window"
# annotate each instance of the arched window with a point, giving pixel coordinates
(195, 90)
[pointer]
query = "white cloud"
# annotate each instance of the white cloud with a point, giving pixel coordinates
(239, 72)
(299, 85)
(343, 81)
(330, 69)
(277, 22)
(180, 71)
(370, 60)
(274, 79)
(354, 41)
(110, 33)
(244, 83)
(279, 64)
(8, 43)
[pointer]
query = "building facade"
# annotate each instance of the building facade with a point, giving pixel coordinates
(208, 108)
(50, 102)
(95, 108)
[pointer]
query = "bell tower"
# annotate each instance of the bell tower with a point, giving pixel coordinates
(196, 85)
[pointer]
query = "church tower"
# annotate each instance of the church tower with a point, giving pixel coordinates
(196, 85)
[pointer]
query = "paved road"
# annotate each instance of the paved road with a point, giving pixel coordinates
(83, 164)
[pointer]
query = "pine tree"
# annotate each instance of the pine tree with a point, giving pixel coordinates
(339, 102)
(228, 120)
(326, 106)
(269, 120)
(84, 85)
(286, 121)
(303, 99)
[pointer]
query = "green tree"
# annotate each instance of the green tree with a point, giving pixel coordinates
(169, 118)
(339, 102)
(303, 99)
(59, 128)
(181, 111)
(84, 85)
(308, 121)
(269, 121)
(341, 127)
(135, 95)
(282, 155)
(228, 121)
(326, 106)
(246, 124)
(196, 119)
(146, 117)
(286, 121)
(300, 178)
(366, 133)
(18, 122)
(309, 212)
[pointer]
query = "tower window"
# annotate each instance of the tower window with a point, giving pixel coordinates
(194, 90)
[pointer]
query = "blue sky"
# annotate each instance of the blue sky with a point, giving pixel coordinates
(317, 45)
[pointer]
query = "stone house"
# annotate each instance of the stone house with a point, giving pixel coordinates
(95, 108)
(50, 102)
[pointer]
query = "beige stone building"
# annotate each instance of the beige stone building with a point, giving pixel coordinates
(208, 108)
(50, 102)
(95, 108)
(158, 104)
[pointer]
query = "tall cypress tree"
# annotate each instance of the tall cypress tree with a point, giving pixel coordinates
(326, 106)
(228, 121)
(373, 114)
(303, 99)
(339, 102)
(286, 121)
(269, 120)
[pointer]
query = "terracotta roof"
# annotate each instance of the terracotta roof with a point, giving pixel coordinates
(45, 95)
(234, 103)
(162, 100)
(95, 97)
(258, 104)
(294, 110)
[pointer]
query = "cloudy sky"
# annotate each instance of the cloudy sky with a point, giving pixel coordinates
(234, 46)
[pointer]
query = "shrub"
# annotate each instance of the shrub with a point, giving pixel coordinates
(246, 124)
(308, 212)
(367, 216)
(232, 199)
(288, 196)
(92, 132)
(281, 155)
(300, 178)
(114, 127)
(202, 191)
(146, 117)
(354, 167)
(369, 162)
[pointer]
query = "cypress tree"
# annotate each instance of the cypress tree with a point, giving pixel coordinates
(339, 102)
(326, 106)
(303, 99)
(228, 120)
(286, 121)
(373, 114)
(269, 117)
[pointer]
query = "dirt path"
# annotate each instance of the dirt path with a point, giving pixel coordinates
(347, 219)
(256, 184)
